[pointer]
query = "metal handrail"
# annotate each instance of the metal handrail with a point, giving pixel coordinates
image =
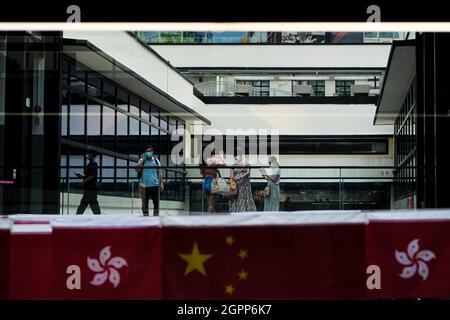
(227, 88)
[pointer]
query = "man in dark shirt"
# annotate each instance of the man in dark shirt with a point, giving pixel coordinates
(90, 186)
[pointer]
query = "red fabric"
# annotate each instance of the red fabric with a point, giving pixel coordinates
(139, 247)
(284, 262)
(30, 266)
(4, 263)
(323, 261)
(385, 238)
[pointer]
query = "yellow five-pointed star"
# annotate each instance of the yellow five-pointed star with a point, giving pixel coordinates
(229, 240)
(243, 275)
(229, 289)
(243, 254)
(195, 260)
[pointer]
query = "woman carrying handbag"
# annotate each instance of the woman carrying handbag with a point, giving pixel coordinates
(243, 201)
(272, 191)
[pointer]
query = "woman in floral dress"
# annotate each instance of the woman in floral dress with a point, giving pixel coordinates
(243, 202)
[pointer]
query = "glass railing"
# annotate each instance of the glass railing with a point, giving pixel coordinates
(301, 188)
(122, 194)
(230, 89)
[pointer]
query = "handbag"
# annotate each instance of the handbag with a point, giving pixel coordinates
(233, 189)
(266, 191)
(262, 194)
(219, 185)
(207, 183)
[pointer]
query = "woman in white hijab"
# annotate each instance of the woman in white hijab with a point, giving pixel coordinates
(272, 175)
(243, 202)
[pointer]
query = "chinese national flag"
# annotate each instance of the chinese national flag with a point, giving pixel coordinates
(413, 256)
(264, 262)
(114, 262)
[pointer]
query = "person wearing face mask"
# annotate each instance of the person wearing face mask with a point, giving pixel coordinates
(90, 186)
(151, 181)
(243, 202)
(272, 175)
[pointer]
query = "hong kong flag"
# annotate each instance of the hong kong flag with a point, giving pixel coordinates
(115, 261)
(413, 258)
(229, 258)
(4, 258)
(30, 262)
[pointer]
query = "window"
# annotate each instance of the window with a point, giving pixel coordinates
(370, 34)
(64, 112)
(134, 106)
(172, 125)
(163, 122)
(299, 145)
(108, 121)
(260, 87)
(122, 124)
(97, 113)
(145, 130)
(134, 123)
(318, 87)
(65, 73)
(343, 87)
(145, 111)
(76, 161)
(122, 100)
(405, 146)
(77, 109)
(109, 93)
(389, 35)
(93, 118)
(78, 78)
(63, 170)
(93, 123)
(155, 120)
(145, 136)
(121, 172)
(94, 88)
(134, 127)
(107, 161)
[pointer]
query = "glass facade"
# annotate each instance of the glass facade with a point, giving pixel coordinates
(405, 145)
(318, 86)
(261, 88)
(98, 114)
(179, 37)
(343, 87)
(296, 145)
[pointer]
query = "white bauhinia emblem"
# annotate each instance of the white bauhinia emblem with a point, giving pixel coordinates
(106, 268)
(414, 261)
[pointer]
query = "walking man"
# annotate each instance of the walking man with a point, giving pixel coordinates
(90, 186)
(151, 181)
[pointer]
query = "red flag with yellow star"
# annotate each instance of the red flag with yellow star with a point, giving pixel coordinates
(241, 258)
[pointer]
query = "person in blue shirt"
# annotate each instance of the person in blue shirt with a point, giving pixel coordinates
(151, 181)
